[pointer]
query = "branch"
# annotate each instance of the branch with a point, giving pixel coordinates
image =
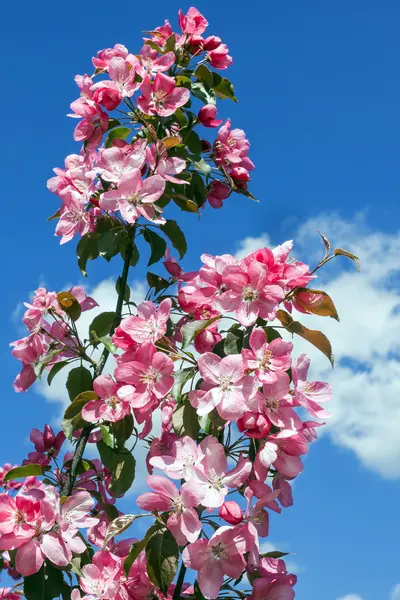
(84, 437)
(179, 583)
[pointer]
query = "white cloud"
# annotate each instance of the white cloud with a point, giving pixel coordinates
(249, 244)
(350, 597)
(366, 379)
(395, 595)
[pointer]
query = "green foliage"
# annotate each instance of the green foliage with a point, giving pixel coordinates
(157, 245)
(162, 556)
(191, 330)
(117, 133)
(25, 471)
(101, 326)
(185, 420)
(87, 249)
(46, 584)
(79, 380)
(122, 466)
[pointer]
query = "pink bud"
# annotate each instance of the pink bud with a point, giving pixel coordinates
(107, 97)
(207, 116)
(240, 174)
(193, 22)
(254, 425)
(217, 193)
(231, 512)
(211, 43)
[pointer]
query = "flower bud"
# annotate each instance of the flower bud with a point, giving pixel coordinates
(217, 193)
(254, 425)
(207, 116)
(107, 97)
(231, 512)
(240, 174)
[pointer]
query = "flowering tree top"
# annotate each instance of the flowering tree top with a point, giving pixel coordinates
(210, 354)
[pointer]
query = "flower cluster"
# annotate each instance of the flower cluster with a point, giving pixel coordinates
(202, 375)
(51, 337)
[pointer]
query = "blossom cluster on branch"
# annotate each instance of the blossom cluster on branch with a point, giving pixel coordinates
(203, 372)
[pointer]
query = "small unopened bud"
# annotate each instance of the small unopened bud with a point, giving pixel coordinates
(231, 512)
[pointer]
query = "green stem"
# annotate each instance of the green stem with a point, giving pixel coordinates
(84, 437)
(179, 583)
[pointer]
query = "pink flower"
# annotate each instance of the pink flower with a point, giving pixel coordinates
(220, 58)
(231, 148)
(175, 456)
(226, 386)
(276, 403)
(249, 293)
(86, 302)
(184, 521)
(193, 22)
(94, 123)
(114, 162)
(150, 372)
(267, 359)
(161, 96)
(107, 94)
(111, 404)
(207, 116)
(122, 73)
(171, 264)
(104, 56)
(134, 197)
(231, 512)
(101, 577)
(283, 451)
(210, 479)
(308, 394)
(152, 63)
(264, 589)
(254, 425)
(74, 219)
(217, 193)
(161, 164)
(150, 324)
(221, 555)
(46, 445)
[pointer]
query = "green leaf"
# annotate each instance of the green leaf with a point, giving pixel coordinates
(137, 547)
(156, 282)
(233, 342)
(46, 584)
(56, 369)
(176, 236)
(87, 249)
(185, 421)
(205, 75)
(180, 378)
(127, 290)
(223, 88)
(353, 257)
(203, 92)
(157, 245)
(79, 380)
(25, 471)
(122, 466)
(72, 417)
(170, 45)
(106, 341)
(105, 224)
(162, 556)
(212, 424)
(119, 133)
(109, 243)
(193, 142)
(183, 81)
(101, 326)
(198, 189)
(181, 116)
(123, 429)
(274, 554)
(316, 338)
(191, 330)
(69, 304)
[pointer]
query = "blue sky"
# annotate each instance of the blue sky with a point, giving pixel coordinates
(319, 92)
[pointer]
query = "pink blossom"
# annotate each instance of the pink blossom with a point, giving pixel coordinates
(150, 372)
(221, 555)
(267, 359)
(86, 302)
(231, 512)
(94, 121)
(101, 577)
(161, 96)
(150, 324)
(217, 193)
(249, 293)
(115, 162)
(220, 58)
(111, 404)
(183, 521)
(283, 451)
(231, 148)
(135, 197)
(46, 445)
(171, 264)
(104, 56)
(175, 456)
(193, 22)
(210, 480)
(226, 386)
(152, 63)
(254, 425)
(122, 73)
(276, 403)
(74, 219)
(107, 94)
(310, 394)
(263, 589)
(161, 164)
(207, 116)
